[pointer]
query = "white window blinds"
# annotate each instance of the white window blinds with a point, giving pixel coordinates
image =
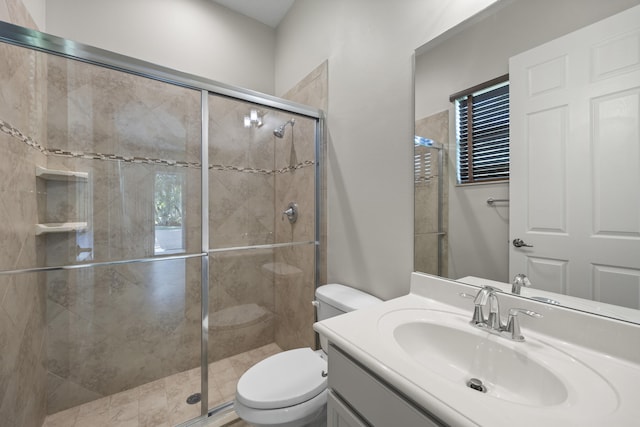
(421, 164)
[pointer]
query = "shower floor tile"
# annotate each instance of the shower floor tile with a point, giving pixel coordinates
(162, 403)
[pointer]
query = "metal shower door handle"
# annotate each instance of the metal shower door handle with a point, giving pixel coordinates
(519, 243)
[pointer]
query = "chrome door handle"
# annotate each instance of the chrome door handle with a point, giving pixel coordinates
(518, 243)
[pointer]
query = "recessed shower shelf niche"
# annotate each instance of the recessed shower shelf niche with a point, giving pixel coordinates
(60, 227)
(62, 191)
(60, 175)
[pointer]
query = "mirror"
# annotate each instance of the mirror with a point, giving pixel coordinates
(473, 239)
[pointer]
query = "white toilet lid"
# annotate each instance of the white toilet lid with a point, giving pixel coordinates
(283, 380)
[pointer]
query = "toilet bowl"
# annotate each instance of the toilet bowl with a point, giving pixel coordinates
(289, 389)
(286, 389)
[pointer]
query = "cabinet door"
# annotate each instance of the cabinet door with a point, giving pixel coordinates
(339, 415)
(374, 400)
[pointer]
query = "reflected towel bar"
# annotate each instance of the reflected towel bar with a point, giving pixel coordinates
(491, 201)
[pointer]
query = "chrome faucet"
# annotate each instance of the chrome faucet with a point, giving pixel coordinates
(486, 295)
(493, 323)
(518, 282)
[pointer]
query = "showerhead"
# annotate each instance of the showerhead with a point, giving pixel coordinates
(279, 131)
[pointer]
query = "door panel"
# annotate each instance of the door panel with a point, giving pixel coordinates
(575, 162)
(616, 56)
(548, 274)
(616, 123)
(546, 141)
(619, 286)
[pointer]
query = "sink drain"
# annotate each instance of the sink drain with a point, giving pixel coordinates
(476, 384)
(194, 398)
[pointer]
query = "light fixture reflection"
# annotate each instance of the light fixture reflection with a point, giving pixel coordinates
(254, 119)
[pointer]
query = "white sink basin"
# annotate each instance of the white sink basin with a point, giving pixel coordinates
(528, 373)
(461, 355)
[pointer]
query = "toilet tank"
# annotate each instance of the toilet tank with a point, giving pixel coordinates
(333, 300)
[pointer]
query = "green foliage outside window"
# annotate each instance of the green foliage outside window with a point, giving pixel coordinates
(168, 200)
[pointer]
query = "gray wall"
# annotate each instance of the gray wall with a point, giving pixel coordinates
(369, 47)
(23, 361)
(196, 36)
(478, 233)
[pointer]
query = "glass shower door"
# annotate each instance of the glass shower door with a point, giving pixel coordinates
(121, 326)
(262, 268)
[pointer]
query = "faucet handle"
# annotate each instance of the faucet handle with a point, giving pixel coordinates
(513, 324)
(478, 314)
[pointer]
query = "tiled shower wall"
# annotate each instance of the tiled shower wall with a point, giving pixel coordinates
(267, 293)
(115, 327)
(124, 130)
(241, 213)
(294, 288)
(22, 297)
(435, 127)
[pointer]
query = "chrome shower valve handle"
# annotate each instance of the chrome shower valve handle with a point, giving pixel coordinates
(291, 212)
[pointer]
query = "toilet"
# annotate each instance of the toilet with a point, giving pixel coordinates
(289, 389)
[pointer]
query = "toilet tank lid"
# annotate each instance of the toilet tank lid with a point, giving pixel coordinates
(345, 298)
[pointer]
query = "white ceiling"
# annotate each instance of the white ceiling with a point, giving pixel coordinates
(268, 12)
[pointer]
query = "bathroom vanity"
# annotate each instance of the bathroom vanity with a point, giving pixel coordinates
(356, 393)
(418, 361)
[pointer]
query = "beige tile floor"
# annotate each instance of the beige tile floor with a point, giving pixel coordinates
(162, 403)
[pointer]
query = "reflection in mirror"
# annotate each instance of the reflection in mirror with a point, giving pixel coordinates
(477, 240)
(430, 238)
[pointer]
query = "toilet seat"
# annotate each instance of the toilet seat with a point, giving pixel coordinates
(283, 380)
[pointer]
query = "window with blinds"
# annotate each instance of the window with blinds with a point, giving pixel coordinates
(482, 122)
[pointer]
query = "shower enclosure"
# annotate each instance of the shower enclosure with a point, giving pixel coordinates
(146, 255)
(429, 202)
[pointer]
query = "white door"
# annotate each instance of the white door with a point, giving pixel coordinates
(575, 162)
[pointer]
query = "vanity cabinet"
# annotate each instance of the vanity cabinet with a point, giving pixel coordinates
(358, 398)
(340, 415)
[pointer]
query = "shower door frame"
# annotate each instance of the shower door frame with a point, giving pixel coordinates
(46, 43)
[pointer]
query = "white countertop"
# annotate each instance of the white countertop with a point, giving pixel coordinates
(610, 400)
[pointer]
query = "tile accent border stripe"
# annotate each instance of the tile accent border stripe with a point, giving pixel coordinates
(16, 133)
(11, 131)
(263, 171)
